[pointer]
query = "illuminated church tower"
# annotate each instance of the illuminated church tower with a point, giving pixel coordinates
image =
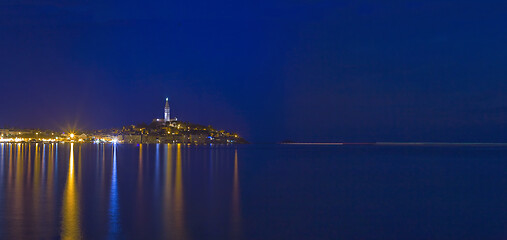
(167, 111)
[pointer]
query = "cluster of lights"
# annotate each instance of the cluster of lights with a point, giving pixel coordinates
(11, 139)
(71, 138)
(26, 139)
(49, 140)
(114, 140)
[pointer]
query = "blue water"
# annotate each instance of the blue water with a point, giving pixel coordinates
(71, 191)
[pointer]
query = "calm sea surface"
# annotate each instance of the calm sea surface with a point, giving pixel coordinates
(90, 191)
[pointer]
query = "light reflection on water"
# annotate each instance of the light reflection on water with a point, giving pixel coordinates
(73, 191)
(71, 222)
(235, 206)
(114, 223)
(179, 221)
(167, 188)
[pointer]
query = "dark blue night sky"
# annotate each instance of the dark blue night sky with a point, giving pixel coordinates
(269, 70)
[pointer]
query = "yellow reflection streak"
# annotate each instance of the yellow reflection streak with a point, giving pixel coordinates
(178, 197)
(17, 204)
(10, 165)
(29, 165)
(70, 209)
(43, 162)
(236, 212)
(37, 179)
(50, 181)
(168, 187)
(140, 167)
(51, 160)
(36, 168)
(19, 164)
(1, 162)
(168, 174)
(140, 196)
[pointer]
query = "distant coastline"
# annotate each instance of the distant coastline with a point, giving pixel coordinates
(398, 143)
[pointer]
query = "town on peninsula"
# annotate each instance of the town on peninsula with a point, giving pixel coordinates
(166, 130)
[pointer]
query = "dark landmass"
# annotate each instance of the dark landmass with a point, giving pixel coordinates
(173, 132)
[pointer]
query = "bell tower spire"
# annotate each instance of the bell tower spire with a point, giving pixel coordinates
(167, 111)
